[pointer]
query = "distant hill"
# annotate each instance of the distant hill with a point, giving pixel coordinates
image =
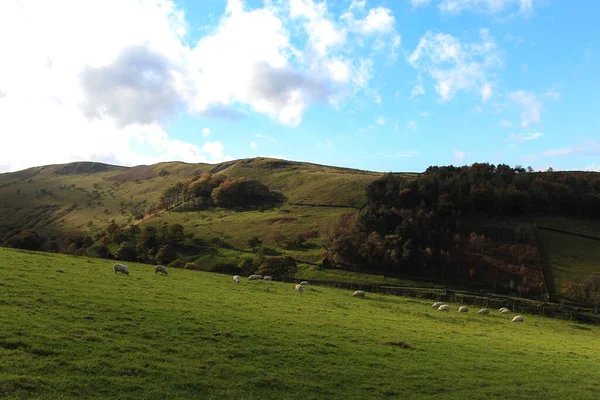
(65, 197)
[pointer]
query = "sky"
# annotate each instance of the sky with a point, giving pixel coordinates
(382, 85)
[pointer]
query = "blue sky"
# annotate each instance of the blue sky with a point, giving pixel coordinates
(385, 85)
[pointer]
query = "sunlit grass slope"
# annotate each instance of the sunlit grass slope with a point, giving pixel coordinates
(66, 197)
(72, 329)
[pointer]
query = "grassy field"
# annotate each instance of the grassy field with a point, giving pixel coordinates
(70, 328)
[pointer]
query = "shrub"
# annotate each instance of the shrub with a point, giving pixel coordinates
(225, 268)
(126, 252)
(280, 268)
(166, 254)
(192, 266)
(178, 263)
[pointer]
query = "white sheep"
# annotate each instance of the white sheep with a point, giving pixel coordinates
(121, 268)
(444, 307)
(436, 304)
(359, 293)
(463, 309)
(299, 288)
(255, 277)
(162, 269)
(484, 311)
(504, 310)
(236, 278)
(267, 278)
(518, 318)
(304, 283)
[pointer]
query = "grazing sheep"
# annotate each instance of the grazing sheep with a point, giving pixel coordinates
(299, 288)
(444, 307)
(504, 310)
(304, 283)
(121, 268)
(463, 309)
(268, 278)
(236, 278)
(436, 304)
(358, 293)
(255, 277)
(484, 311)
(518, 318)
(162, 269)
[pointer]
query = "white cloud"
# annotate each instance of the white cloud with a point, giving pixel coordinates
(380, 121)
(338, 70)
(531, 106)
(323, 33)
(106, 90)
(456, 66)
(412, 125)
(593, 168)
(206, 132)
(377, 98)
(525, 68)
(419, 3)
(486, 6)
(486, 92)
(378, 19)
(551, 95)
(425, 114)
(522, 137)
(506, 124)
(253, 145)
(460, 156)
(417, 90)
(95, 93)
(559, 152)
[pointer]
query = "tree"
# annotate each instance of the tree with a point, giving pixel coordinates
(254, 242)
(126, 252)
(175, 235)
(166, 255)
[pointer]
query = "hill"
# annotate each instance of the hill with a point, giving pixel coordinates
(475, 227)
(71, 328)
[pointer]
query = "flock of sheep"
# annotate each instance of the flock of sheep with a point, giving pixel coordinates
(299, 288)
(483, 311)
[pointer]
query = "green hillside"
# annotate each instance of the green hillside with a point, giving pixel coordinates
(62, 198)
(72, 329)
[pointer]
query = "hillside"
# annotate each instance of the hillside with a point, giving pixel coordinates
(60, 198)
(477, 228)
(72, 329)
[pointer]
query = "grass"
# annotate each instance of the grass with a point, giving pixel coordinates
(571, 258)
(71, 328)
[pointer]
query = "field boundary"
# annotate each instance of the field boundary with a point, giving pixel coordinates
(546, 228)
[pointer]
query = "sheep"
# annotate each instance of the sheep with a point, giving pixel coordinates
(255, 277)
(236, 278)
(484, 311)
(444, 307)
(463, 309)
(518, 318)
(436, 304)
(299, 288)
(267, 278)
(358, 293)
(121, 268)
(304, 283)
(504, 310)
(162, 269)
